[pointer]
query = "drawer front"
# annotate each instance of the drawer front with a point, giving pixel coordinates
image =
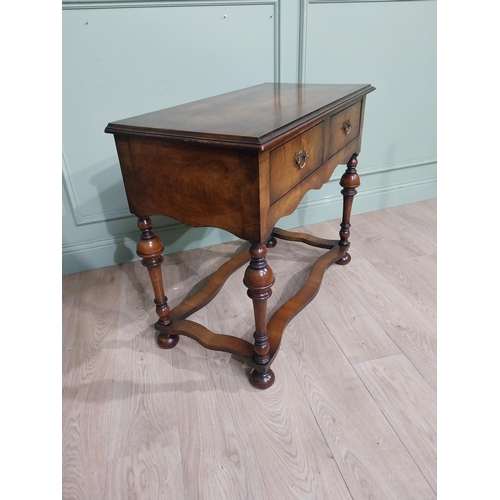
(344, 127)
(295, 160)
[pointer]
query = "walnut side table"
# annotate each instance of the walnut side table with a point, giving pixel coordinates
(240, 161)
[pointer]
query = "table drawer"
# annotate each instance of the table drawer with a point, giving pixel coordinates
(295, 160)
(344, 127)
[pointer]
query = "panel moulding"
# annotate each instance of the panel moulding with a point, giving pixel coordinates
(364, 172)
(124, 4)
(304, 5)
(308, 211)
(78, 216)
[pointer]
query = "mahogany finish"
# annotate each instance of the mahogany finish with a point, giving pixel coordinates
(349, 181)
(259, 279)
(150, 248)
(239, 162)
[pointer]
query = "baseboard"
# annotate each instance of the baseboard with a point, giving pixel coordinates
(176, 238)
(365, 201)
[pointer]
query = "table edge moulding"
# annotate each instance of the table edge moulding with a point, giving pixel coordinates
(240, 161)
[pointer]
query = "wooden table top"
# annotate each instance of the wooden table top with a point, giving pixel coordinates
(250, 117)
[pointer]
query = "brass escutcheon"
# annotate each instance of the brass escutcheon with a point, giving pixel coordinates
(346, 127)
(300, 158)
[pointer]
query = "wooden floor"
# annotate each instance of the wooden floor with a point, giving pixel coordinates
(352, 414)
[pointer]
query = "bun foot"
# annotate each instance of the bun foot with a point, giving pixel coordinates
(167, 341)
(271, 242)
(262, 380)
(345, 259)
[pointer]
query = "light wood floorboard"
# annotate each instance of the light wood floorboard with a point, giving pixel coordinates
(408, 404)
(352, 413)
(90, 329)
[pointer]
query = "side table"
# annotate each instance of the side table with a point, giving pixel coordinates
(239, 162)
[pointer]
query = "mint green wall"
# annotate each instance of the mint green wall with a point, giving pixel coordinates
(125, 58)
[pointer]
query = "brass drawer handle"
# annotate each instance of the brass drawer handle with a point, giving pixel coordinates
(300, 158)
(346, 127)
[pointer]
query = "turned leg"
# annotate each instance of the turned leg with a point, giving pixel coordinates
(259, 278)
(150, 248)
(349, 182)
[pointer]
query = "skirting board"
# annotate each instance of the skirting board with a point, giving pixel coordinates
(176, 238)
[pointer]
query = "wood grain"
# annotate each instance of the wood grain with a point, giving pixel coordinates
(155, 474)
(410, 330)
(408, 403)
(218, 460)
(293, 459)
(144, 413)
(247, 116)
(373, 461)
(399, 261)
(308, 291)
(353, 327)
(343, 420)
(90, 326)
(211, 288)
